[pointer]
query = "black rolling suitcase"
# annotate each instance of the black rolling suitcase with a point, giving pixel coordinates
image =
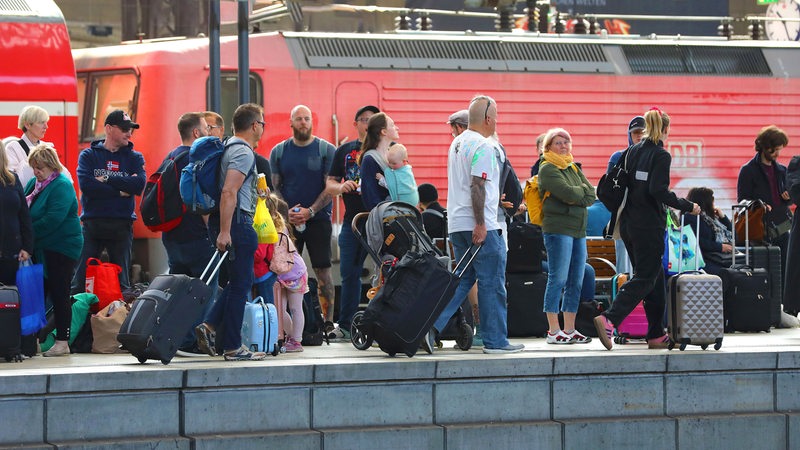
(162, 316)
(768, 257)
(525, 297)
(745, 294)
(413, 296)
(10, 329)
(525, 247)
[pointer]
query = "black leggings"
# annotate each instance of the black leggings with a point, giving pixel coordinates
(56, 284)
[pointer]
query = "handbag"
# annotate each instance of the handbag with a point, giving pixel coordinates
(102, 280)
(105, 327)
(753, 220)
(263, 224)
(30, 283)
(679, 239)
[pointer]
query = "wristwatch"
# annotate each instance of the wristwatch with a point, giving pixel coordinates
(311, 212)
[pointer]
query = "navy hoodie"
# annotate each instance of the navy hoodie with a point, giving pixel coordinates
(125, 170)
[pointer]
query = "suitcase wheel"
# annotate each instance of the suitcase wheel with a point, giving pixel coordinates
(671, 345)
(165, 361)
(142, 359)
(704, 346)
(683, 346)
(391, 354)
(620, 340)
(275, 349)
(718, 344)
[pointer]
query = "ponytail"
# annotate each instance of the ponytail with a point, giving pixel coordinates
(656, 123)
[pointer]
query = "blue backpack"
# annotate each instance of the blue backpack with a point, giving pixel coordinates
(199, 186)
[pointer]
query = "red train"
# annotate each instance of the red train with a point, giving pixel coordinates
(719, 93)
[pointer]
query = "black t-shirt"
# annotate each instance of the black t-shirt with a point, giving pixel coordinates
(345, 167)
(435, 224)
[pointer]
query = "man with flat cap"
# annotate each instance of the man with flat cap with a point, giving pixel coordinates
(458, 121)
(345, 179)
(110, 175)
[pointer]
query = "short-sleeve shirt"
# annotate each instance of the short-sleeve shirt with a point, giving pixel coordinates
(345, 168)
(240, 157)
(303, 172)
(471, 155)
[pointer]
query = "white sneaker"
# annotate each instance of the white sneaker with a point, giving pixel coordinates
(559, 338)
(510, 348)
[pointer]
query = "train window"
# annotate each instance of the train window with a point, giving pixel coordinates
(230, 96)
(107, 91)
(82, 78)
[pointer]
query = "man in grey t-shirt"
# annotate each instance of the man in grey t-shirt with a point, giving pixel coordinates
(232, 228)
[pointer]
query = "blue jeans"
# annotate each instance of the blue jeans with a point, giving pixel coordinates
(119, 253)
(190, 257)
(264, 288)
(229, 307)
(566, 260)
(489, 269)
(351, 265)
(588, 286)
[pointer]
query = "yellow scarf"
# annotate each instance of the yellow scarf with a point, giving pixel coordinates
(562, 162)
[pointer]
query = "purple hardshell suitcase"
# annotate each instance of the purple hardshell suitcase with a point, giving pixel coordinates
(695, 314)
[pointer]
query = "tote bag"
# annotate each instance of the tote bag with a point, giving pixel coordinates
(674, 261)
(263, 224)
(30, 283)
(102, 280)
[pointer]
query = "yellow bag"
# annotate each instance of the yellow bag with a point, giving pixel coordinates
(263, 224)
(534, 200)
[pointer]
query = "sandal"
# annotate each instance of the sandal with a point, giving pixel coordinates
(206, 339)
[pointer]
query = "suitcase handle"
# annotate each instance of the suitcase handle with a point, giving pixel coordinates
(746, 233)
(696, 247)
(461, 266)
(216, 254)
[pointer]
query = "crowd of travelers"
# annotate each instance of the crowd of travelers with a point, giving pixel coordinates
(42, 221)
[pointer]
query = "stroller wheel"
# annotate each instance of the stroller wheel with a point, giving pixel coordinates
(358, 337)
(464, 340)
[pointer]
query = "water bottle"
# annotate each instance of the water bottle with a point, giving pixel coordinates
(302, 227)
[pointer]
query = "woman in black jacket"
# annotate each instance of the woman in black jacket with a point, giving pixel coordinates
(642, 226)
(16, 232)
(715, 237)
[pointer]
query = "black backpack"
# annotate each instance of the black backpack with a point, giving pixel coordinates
(162, 208)
(313, 333)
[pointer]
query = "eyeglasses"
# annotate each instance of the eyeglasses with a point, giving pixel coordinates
(560, 143)
(211, 127)
(363, 119)
(486, 113)
(124, 130)
(263, 124)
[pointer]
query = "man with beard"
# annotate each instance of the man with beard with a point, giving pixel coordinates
(300, 167)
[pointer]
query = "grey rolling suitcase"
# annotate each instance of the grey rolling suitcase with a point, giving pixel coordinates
(695, 314)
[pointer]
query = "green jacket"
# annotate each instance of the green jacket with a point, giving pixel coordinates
(570, 193)
(54, 214)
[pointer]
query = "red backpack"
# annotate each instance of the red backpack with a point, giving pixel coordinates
(162, 207)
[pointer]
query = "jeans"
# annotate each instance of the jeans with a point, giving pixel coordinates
(264, 288)
(566, 259)
(623, 262)
(351, 264)
(646, 249)
(488, 268)
(588, 285)
(190, 257)
(119, 253)
(229, 307)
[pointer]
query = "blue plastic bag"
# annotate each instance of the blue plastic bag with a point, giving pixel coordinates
(30, 283)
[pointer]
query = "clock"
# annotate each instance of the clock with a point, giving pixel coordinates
(778, 30)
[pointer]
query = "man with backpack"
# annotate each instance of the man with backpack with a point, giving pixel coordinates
(300, 167)
(231, 228)
(188, 246)
(110, 175)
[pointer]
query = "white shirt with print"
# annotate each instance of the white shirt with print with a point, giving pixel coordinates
(471, 155)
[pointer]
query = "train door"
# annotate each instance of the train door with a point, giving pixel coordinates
(229, 96)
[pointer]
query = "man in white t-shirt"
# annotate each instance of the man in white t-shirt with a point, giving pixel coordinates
(473, 196)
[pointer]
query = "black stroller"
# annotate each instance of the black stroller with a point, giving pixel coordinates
(392, 235)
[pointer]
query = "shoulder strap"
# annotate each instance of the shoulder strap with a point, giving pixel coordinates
(24, 146)
(433, 212)
(279, 154)
(377, 157)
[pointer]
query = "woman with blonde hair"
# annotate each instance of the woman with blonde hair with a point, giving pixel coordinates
(58, 238)
(566, 195)
(642, 225)
(16, 234)
(33, 124)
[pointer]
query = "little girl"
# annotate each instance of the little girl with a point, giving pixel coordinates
(288, 265)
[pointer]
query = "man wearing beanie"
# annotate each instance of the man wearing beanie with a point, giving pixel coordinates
(434, 216)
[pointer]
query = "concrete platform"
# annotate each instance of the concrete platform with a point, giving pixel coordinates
(579, 396)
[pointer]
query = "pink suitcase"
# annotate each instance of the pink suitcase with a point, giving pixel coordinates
(635, 325)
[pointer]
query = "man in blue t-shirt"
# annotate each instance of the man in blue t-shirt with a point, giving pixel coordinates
(300, 167)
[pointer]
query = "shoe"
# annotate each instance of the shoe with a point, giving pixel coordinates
(659, 342)
(577, 338)
(60, 348)
(429, 342)
(206, 339)
(338, 334)
(191, 353)
(510, 348)
(244, 354)
(292, 346)
(477, 340)
(328, 327)
(605, 331)
(559, 338)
